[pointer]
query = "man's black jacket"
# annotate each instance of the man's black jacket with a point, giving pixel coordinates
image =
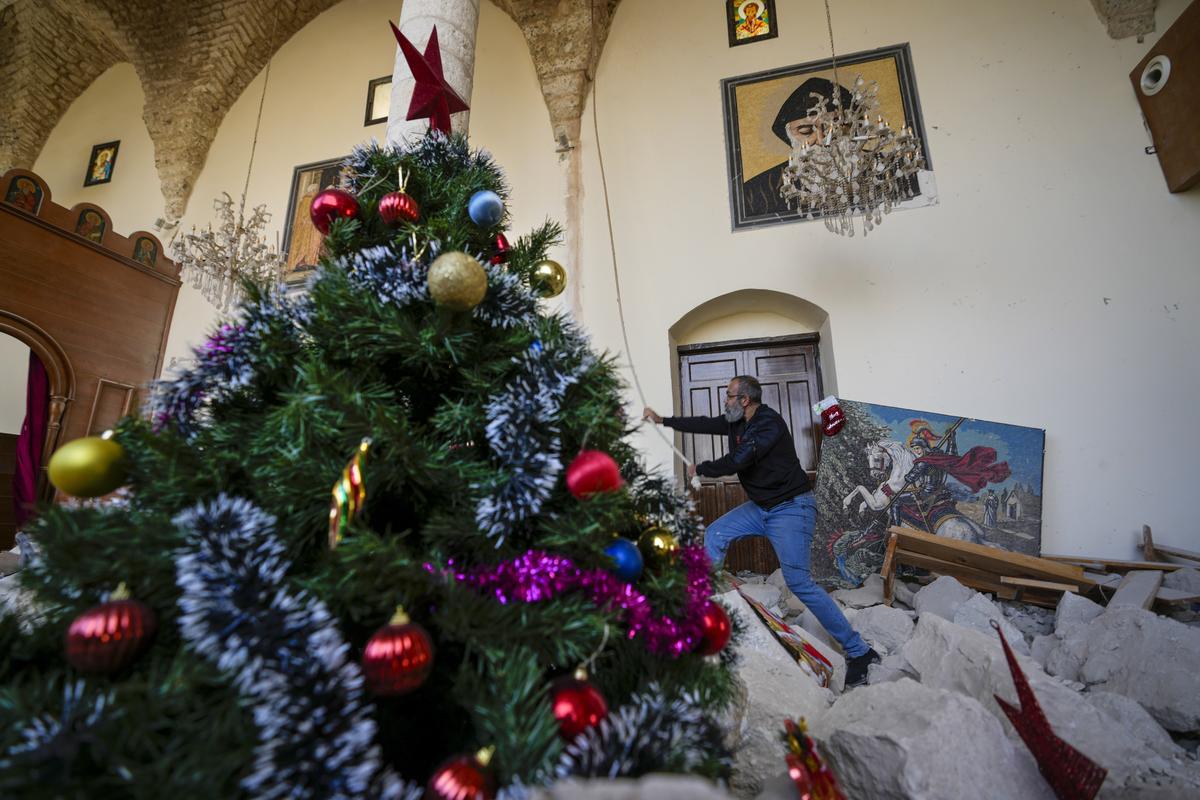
(761, 452)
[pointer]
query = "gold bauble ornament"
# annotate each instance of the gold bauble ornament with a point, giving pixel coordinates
(657, 545)
(457, 281)
(89, 467)
(548, 278)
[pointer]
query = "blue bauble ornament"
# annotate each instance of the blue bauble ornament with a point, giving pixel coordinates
(486, 208)
(627, 560)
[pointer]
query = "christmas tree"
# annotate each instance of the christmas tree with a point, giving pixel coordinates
(373, 530)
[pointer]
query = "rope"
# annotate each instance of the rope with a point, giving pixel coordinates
(612, 248)
(261, 101)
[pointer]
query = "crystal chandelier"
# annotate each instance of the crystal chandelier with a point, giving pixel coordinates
(854, 166)
(219, 261)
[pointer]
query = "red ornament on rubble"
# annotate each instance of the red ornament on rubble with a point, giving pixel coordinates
(332, 204)
(592, 472)
(812, 776)
(108, 637)
(399, 206)
(577, 704)
(1070, 773)
(714, 629)
(502, 248)
(463, 778)
(833, 419)
(432, 97)
(398, 658)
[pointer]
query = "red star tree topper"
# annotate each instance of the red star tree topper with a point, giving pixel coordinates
(432, 97)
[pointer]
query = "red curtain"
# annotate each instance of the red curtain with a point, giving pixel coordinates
(31, 440)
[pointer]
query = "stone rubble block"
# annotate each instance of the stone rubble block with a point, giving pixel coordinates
(1183, 580)
(776, 688)
(650, 787)
(942, 597)
(1031, 620)
(776, 579)
(948, 656)
(905, 740)
(1135, 720)
(763, 593)
(893, 667)
(904, 593)
(884, 628)
(811, 625)
(869, 594)
(978, 613)
(1042, 647)
(1073, 611)
(1152, 659)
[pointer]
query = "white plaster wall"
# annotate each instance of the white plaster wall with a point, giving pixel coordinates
(14, 373)
(1056, 284)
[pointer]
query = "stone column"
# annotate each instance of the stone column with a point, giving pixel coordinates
(457, 22)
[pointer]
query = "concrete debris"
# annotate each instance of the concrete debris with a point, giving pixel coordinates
(1183, 580)
(1074, 611)
(1137, 588)
(869, 594)
(942, 597)
(979, 613)
(811, 625)
(884, 628)
(1141, 655)
(893, 667)
(1031, 621)
(777, 688)
(906, 740)
(765, 593)
(1130, 715)
(904, 593)
(1042, 647)
(776, 579)
(948, 656)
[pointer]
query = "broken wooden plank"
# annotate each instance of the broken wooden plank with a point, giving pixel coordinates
(990, 559)
(975, 578)
(889, 570)
(1030, 583)
(1178, 552)
(1174, 597)
(1138, 588)
(1112, 565)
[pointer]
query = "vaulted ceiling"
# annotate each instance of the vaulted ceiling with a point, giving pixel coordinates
(195, 57)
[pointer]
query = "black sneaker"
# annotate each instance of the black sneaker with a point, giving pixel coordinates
(856, 668)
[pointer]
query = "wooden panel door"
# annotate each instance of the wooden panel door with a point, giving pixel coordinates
(790, 378)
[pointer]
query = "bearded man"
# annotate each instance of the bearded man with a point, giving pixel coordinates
(781, 506)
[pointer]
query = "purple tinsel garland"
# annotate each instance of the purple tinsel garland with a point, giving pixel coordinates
(537, 576)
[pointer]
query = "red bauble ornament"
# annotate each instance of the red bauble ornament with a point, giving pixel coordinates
(330, 205)
(397, 207)
(502, 248)
(463, 778)
(108, 637)
(577, 705)
(714, 629)
(592, 471)
(398, 658)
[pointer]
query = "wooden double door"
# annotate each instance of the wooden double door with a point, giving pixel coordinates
(788, 369)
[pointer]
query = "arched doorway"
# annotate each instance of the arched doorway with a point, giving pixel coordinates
(49, 381)
(785, 342)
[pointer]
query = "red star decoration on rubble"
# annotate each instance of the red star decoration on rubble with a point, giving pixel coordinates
(432, 97)
(1071, 774)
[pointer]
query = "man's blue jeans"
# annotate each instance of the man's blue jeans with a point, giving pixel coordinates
(789, 526)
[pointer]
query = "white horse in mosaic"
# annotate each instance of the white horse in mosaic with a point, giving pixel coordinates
(891, 458)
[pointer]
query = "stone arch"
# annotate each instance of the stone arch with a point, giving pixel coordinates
(62, 382)
(752, 314)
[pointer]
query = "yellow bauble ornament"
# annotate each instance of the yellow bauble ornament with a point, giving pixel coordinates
(548, 278)
(657, 545)
(457, 281)
(89, 467)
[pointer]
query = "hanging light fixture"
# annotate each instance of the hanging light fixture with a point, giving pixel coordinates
(218, 261)
(858, 164)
